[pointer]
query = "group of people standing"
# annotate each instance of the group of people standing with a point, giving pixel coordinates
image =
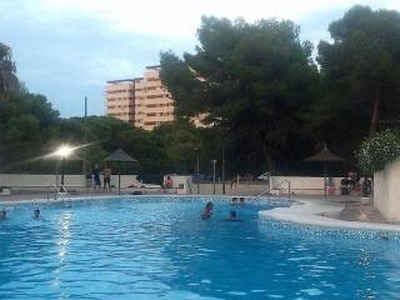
(351, 182)
(106, 177)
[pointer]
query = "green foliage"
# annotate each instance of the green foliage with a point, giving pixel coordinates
(105, 135)
(179, 138)
(360, 72)
(8, 78)
(27, 123)
(379, 150)
(255, 82)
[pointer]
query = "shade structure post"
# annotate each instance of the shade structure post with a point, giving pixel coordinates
(119, 183)
(120, 156)
(197, 169)
(324, 156)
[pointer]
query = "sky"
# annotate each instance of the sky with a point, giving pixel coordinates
(68, 49)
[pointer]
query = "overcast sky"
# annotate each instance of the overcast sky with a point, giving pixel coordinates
(68, 49)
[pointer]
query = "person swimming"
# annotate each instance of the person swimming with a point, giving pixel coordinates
(233, 215)
(36, 213)
(208, 210)
(3, 214)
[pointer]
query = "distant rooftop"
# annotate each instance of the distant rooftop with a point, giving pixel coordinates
(120, 80)
(153, 67)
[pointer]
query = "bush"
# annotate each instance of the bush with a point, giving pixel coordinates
(378, 150)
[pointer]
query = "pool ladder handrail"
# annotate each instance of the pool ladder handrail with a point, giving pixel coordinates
(268, 191)
(59, 190)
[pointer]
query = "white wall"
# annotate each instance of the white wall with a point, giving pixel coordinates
(182, 184)
(28, 181)
(298, 184)
(387, 191)
(303, 185)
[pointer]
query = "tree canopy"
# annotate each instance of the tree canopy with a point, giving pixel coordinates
(255, 81)
(361, 69)
(8, 77)
(27, 124)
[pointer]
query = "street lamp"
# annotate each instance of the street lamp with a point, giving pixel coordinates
(63, 151)
(214, 161)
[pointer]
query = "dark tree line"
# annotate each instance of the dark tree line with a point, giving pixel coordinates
(267, 103)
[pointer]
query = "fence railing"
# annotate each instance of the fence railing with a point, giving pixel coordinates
(58, 192)
(275, 187)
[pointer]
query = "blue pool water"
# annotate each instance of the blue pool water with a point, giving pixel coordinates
(147, 248)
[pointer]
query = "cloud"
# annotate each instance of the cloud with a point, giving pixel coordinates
(103, 68)
(66, 49)
(180, 18)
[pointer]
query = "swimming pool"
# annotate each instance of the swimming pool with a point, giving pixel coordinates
(159, 248)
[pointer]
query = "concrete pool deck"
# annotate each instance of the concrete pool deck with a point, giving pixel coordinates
(334, 211)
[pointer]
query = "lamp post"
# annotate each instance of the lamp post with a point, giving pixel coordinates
(214, 161)
(85, 138)
(63, 151)
(196, 150)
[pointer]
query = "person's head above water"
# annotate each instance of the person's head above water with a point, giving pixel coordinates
(36, 212)
(208, 210)
(232, 215)
(209, 205)
(3, 214)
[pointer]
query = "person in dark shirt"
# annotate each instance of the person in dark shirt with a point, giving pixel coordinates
(233, 215)
(3, 214)
(96, 177)
(36, 213)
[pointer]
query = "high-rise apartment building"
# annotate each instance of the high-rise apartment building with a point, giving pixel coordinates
(153, 103)
(120, 95)
(148, 104)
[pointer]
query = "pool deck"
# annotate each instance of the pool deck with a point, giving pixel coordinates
(333, 211)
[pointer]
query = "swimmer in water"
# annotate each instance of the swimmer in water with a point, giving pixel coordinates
(3, 214)
(36, 213)
(233, 215)
(208, 210)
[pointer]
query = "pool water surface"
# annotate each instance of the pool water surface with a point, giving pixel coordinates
(160, 248)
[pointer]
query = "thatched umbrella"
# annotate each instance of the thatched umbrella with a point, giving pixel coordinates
(324, 156)
(120, 156)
